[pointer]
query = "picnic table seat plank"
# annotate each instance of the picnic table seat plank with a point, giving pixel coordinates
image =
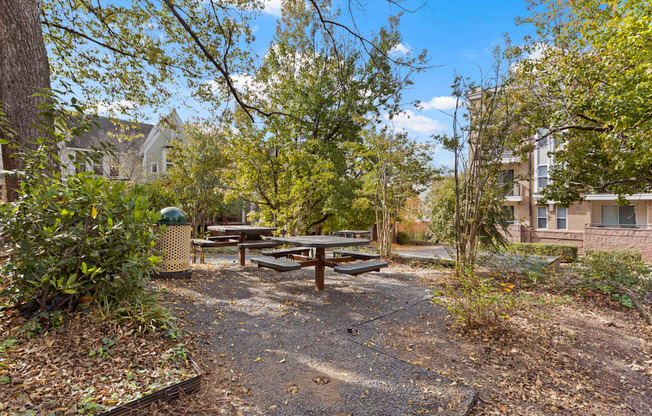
(264, 244)
(361, 267)
(357, 254)
(199, 244)
(223, 237)
(284, 252)
(276, 264)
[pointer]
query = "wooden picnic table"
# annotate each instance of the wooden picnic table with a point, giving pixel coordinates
(242, 231)
(320, 243)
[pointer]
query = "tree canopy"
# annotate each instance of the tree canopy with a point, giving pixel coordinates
(586, 79)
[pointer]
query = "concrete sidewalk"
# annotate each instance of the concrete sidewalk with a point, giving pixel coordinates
(317, 353)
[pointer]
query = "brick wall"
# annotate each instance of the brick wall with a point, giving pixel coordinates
(619, 239)
(592, 238)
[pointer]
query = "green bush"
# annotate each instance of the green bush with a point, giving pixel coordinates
(402, 238)
(567, 252)
(620, 273)
(76, 235)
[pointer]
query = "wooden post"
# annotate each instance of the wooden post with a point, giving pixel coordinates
(320, 255)
(242, 251)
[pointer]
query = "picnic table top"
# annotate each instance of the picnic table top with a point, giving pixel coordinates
(352, 232)
(240, 228)
(320, 241)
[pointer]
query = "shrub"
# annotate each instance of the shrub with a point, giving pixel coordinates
(402, 238)
(567, 252)
(76, 235)
(620, 273)
(479, 302)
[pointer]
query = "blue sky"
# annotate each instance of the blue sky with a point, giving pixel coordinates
(459, 36)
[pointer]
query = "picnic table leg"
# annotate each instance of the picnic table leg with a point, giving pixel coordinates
(242, 252)
(320, 255)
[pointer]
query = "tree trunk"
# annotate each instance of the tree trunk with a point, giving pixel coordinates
(24, 70)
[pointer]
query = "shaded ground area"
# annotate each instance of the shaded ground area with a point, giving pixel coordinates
(559, 354)
(302, 352)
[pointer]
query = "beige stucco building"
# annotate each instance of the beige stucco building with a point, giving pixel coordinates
(598, 222)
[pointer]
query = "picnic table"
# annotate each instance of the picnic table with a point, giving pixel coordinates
(352, 233)
(241, 241)
(320, 243)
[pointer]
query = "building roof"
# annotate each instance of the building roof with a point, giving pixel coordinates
(125, 135)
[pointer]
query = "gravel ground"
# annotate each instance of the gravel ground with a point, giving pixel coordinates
(302, 352)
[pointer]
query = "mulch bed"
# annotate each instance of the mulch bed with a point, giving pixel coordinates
(88, 366)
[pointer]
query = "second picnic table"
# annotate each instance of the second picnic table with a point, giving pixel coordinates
(242, 231)
(320, 243)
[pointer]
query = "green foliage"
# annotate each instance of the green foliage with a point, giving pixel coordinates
(197, 175)
(478, 302)
(529, 270)
(620, 273)
(75, 235)
(300, 167)
(396, 169)
(488, 232)
(587, 86)
(157, 194)
(402, 238)
(567, 252)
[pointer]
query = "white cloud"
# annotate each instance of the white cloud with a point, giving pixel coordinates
(401, 49)
(407, 120)
(273, 7)
(115, 107)
(440, 103)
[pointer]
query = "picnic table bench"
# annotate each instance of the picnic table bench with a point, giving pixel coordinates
(357, 254)
(275, 264)
(198, 244)
(320, 261)
(355, 269)
(242, 248)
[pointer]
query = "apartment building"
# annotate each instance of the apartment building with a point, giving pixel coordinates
(598, 222)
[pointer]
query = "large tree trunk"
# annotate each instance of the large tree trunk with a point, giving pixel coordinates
(24, 70)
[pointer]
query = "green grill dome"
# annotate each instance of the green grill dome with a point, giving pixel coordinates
(172, 216)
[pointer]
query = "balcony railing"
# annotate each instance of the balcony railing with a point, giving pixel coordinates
(620, 226)
(514, 190)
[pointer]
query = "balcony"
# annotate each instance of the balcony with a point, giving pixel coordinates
(603, 195)
(514, 193)
(509, 158)
(620, 226)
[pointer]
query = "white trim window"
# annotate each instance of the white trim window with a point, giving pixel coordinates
(562, 218)
(154, 168)
(542, 162)
(542, 218)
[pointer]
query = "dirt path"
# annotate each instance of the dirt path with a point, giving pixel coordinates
(302, 352)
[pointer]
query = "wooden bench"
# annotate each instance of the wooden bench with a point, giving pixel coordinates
(286, 251)
(355, 269)
(275, 264)
(200, 244)
(357, 254)
(258, 245)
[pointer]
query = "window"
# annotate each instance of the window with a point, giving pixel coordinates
(616, 215)
(508, 213)
(114, 172)
(507, 182)
(562, 218)
(542, 176)
(97, 169)
(542, 217)
(166, 159)
(154, 168)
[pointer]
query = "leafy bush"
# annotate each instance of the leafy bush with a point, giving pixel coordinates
(76, 235)
(402, 238)
(567, 252)
(479, 302)
(620, 273)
